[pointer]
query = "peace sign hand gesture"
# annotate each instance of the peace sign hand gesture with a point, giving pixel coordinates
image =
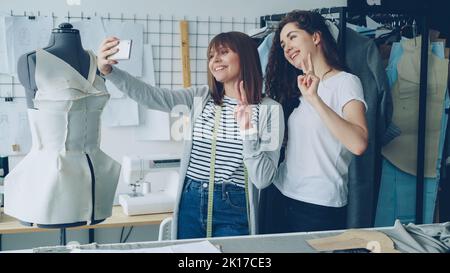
(308, 82)
(243, 111)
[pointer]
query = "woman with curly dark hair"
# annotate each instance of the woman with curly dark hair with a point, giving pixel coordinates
(325, 116)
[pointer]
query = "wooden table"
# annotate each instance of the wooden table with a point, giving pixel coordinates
(10, 225)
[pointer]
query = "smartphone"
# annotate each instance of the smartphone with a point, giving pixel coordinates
(124, 52)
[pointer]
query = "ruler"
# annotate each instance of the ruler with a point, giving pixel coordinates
(184, 30)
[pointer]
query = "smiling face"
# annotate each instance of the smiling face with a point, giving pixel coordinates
(224, 64)
(233, 57)
(297, 43)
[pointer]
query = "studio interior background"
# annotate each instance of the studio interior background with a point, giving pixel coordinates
(129, 130)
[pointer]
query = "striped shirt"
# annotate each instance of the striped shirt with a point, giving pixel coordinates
(229, 165)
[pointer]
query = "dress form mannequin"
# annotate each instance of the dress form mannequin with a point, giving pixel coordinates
(65, 43)
(84, 179)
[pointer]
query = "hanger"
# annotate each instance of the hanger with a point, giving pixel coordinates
(330, 17)
(410, 31)
(270, 27)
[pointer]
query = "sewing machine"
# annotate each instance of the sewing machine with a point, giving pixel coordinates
(158, 178)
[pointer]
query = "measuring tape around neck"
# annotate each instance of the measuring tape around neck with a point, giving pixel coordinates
(212, 173)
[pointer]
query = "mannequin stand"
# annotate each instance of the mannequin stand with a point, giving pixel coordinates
(62, 236)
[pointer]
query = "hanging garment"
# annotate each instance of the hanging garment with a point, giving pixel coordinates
(65, 178)
(363, 60)
(402, 151)
(397, 197)
(264, 51)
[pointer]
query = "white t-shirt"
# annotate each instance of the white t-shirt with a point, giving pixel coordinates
(316, 166)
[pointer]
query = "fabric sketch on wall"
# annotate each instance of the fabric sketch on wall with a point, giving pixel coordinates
(155, 125)
(24, 35)
(92, 32)
(15, 137)
(121, 112)
(129, 31)
(4, 65)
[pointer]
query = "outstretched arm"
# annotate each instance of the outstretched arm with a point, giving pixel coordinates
(145, 94)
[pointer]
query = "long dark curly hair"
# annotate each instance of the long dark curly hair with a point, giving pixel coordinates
(281, 77)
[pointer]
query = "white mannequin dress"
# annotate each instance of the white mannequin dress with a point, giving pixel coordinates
(65, 178)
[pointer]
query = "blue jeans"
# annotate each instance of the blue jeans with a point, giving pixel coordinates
(229, 210)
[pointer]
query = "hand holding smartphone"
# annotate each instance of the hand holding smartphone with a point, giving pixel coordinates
(124, 52)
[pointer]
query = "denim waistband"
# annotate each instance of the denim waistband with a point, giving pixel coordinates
(222, 186)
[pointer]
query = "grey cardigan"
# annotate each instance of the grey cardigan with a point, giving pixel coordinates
(261, 151)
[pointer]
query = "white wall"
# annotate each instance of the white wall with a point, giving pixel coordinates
(119, 141)
(229, 8)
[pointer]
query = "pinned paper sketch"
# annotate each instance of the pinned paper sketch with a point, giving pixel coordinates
(4, 66)
(25, 35)
(15, 136)
(148, 66)
(92, 33)
(120, 112)
(155, 125)
(128, 31)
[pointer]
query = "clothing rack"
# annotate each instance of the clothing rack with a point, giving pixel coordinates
(421, 14)
(342, 11)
